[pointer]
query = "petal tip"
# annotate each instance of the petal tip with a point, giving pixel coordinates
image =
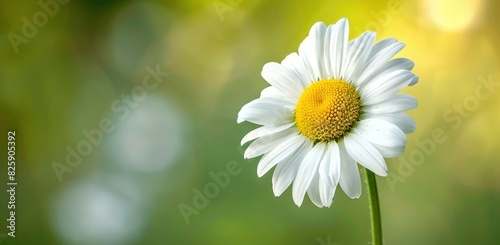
(413, 81)
(342, 21)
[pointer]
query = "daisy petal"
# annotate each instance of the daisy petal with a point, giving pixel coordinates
(267, 143)
(384, 136)
(381, 45)
(381, 87)
(357, 53)
(267, 111)
(304, 48)
(286, 170)
(317, 34)
(403, 121)
(395, 103)
(263, 131)
(311, 50)
(365, 154)
(414, 81)
(380, 132)
(329, 168)
(399, 64)
(326, 49)
(391, 66)
(313, 191)
(389, 152)
(294, 63)
(326, 192)
(379, 59)
(280, 152)
(307, 170)
(283, 79)
(350, 181)
(272, 92)
(338, 47)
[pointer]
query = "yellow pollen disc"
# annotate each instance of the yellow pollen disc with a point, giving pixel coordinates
(327, 109)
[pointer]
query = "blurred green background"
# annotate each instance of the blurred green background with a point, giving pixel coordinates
(157, 85)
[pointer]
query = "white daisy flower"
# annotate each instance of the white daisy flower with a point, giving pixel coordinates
(330, 106)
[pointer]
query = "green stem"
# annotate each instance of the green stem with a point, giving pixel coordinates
(376, 220)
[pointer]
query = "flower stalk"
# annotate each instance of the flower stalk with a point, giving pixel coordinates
(376, 221)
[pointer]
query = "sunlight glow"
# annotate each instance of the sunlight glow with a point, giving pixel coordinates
(453, 15)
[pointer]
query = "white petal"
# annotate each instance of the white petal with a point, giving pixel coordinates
(338, 47)
(286, 170)
(395, 103)
(329, 168)
(326, 192)
(272, 92)
(379, 46)
(317, 34)
(263, 131)
(295, 64)
(267, 111)
(382, 44)
(380, 132)
(390, 152)
(282, 78)
(399, 64)
(391, 66)
(311, 50)
(379, 59)
(357, 53)
(304, 48)
(327, 53)
(268, 142)
(276, 155)
(386, 137)
(313, 191)
(308, 168)
(350, 180)
(365, 154)
(403, 121)
(381, 87)
(414, 81)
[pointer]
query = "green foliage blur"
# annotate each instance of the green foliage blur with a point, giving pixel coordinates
(69, 67)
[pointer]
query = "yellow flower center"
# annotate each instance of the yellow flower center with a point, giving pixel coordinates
(327, 109)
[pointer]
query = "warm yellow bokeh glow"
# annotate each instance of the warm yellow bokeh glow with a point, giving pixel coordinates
(453, 15)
